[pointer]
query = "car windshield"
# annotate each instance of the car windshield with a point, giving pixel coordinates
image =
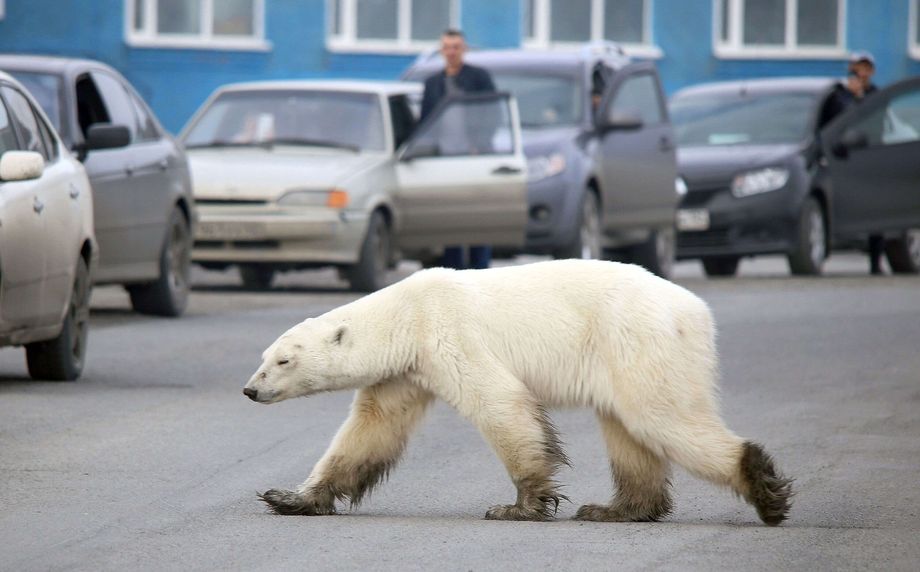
(46, 89)
(702, 120)
(334, 119)
(544, 100)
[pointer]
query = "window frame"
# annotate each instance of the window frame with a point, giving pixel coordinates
(347, 41)
(913, 42)
(733, 48)
(542, 39)
(148, 37)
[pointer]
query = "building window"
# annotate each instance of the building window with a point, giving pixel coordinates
(914, 29)
(389, 25)
(208, 24)
(780, 28)
(551, 23)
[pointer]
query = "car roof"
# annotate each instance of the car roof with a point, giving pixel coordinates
(814, 85)
(384, 88)
(46, 64)
(559, 59)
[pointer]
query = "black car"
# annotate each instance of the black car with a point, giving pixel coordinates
(765, 177)
(600, 151)
(142, 196)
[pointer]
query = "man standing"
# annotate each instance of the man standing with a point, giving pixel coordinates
(457, 78)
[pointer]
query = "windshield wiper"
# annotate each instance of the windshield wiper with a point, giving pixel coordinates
(311, 143)
(219, 144)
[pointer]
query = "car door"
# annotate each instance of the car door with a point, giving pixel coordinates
(58, 198)
(461, 177)
(871, 154)
(635, 153)
(22, 233)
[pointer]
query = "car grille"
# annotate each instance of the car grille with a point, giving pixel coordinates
(699, 197)
(706, 238)
(230, 202)
(239, 244)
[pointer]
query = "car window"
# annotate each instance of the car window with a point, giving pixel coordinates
(90, 108)
(639, 95)
(896, 122)
(7, 135)
(463, 127)
(23, 117)
(117, 103)
(544, 99)
(46, 89)
(146, 127)
(48, 138)
(403, 119)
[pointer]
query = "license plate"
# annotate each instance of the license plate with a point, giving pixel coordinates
(230, 230)
(692, 219)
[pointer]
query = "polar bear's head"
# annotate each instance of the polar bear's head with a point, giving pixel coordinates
(313, 356)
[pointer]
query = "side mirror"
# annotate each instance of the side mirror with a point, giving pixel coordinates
(419, 151)
(106, 136)
(21, 166)
(850, 140)
(620, 121)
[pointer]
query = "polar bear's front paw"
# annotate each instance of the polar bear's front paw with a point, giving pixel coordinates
(615, 513)
(285, 502)
(518, 512)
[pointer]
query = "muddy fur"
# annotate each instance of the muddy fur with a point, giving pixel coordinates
(768, 490)
(636, 501)
(314, 502)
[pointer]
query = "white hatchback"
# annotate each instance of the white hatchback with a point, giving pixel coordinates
(301, 174)
(47, 245)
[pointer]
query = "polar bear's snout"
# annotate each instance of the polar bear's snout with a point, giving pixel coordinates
(251, 393)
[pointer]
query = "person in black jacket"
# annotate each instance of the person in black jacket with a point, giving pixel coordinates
(457, 78)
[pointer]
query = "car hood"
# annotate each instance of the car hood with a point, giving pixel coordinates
(546, 141)
(716, 166)
(264, 174)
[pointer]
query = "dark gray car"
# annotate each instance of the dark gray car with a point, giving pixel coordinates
(764, 175)
(601, 170)
(143, 206)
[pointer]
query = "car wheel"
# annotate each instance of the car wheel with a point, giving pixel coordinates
(721, 265)
(62, 358)
(587, 243)
(257, 276)
(657, 253)
(370, 273)
(168, 294)
(807, 259)
(903, 253)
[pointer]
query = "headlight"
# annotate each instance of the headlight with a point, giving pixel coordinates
(760, 181)
(336, 198)
(545, 166)
(680, 186)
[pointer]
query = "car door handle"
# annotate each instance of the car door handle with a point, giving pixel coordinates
(74, 192)
(37, 205)
(506, 170)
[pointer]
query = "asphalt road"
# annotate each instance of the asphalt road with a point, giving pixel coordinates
(152, 460)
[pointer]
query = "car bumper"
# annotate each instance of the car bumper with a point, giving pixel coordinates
(270, 234)
(760, 224)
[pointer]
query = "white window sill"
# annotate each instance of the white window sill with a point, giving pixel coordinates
(193, 43)
(773, 53)
(647, 51)
(384, 47)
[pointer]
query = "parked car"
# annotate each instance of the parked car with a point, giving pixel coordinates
(764, 177)
(601, 174)
(301, 174)
(47, 248)
(144, 210)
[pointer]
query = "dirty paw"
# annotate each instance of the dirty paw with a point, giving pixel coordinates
(517, 512)
(286, 502)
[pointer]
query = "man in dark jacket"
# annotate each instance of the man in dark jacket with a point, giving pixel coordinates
(457, 78)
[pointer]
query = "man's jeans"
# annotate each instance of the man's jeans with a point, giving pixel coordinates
(479, 257)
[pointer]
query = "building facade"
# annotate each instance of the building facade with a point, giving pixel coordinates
(177, 51)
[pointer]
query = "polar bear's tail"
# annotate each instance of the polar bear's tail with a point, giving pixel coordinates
(767, 489)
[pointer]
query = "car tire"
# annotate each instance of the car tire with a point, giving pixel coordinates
(810, 252)
(257, 276)
(587, 243)
(721, 266)
(62, 358)
(168, 294)
(370, 273)
(903, 253)
(657, 253)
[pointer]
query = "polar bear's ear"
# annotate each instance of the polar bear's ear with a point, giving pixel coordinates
(339, 334)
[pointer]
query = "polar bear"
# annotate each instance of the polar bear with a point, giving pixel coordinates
(503, 345)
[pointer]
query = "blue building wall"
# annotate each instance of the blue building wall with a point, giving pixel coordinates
(176, 81)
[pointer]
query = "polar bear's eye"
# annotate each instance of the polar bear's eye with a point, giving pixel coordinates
(282, 361)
